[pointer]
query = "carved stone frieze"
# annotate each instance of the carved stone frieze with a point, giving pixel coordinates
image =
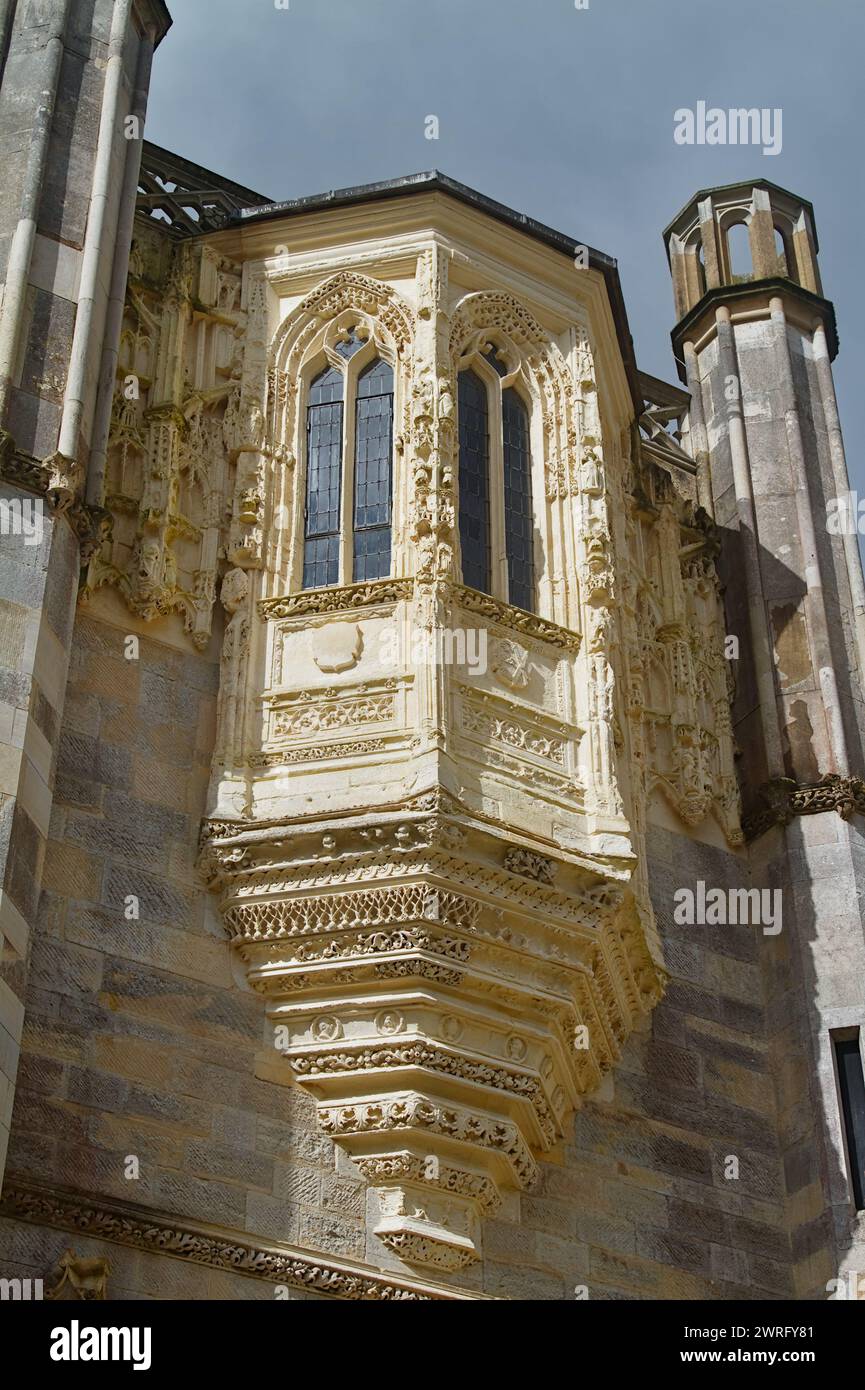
(337, 600)
(528, 624)
(142, 1228)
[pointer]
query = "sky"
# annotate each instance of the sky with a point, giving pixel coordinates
(562, 113)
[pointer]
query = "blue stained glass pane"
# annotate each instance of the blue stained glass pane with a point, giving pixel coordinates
(474, 487)
(323, 480)
(519, 546)
(376, 379)
(373, 472)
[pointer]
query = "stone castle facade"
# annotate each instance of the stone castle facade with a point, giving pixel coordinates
(393, 660)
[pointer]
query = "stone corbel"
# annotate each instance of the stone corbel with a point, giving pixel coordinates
(446, 997)
(64, 479)
(56, 481)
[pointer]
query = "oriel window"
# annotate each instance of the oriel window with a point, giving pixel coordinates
(349, 470)
(474, 481)
(373, 471)
(323, 480)
(496, 520)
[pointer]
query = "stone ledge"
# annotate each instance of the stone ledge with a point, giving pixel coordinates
(126, 1223)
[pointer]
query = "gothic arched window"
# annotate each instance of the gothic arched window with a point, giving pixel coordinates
(701, 267)
(495, 485)
(518, 500)
(739, 253)
(323, 480)
(785, 254)
(373, 449)
(349, 472)
(474, 481)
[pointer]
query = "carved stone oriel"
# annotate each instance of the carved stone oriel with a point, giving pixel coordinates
(428, 806)
(445, 997)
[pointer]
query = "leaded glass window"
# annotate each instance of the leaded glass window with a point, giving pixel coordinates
(373, 471)
(518, 500)
(495, 484)
(474, 482)
(323, 480)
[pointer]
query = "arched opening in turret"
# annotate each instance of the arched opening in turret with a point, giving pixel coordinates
(701, 268)
(739, 253)
(785, 254)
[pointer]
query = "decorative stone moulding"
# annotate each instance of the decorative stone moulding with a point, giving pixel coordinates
(159, 1233)
(446, 995)
(783, 798)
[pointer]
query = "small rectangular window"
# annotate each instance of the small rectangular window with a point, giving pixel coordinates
(851, 1089)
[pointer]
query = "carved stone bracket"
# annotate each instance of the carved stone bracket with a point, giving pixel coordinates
(446, 998)
(784, 798)
(79, 1279)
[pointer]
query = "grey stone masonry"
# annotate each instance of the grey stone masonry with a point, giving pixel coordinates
(757, 350)
(70, 74)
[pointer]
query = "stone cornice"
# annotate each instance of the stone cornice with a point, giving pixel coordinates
(154, 18)
(529, 624)
(349, 597)
(784, 798)
(747, 290)
(335, 600)
(126, 1223)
